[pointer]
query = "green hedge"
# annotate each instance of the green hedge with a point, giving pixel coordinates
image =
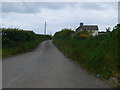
(15, 41)
(99, 54)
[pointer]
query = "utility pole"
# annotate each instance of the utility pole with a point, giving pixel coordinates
(45, 29)
(50, 33)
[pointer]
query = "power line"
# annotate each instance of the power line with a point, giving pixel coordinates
(31, 9)
(34, 14)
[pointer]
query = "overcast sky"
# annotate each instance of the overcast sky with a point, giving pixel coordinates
(58, 15)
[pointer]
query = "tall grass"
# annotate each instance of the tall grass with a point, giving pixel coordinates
(99, 54)
(15, 41)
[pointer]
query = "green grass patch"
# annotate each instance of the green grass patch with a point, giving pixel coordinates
(16, 41)
(99, 54)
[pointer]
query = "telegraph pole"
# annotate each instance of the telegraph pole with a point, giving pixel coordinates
(45, 29)
(50, 33)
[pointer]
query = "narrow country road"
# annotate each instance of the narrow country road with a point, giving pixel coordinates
(46, 67)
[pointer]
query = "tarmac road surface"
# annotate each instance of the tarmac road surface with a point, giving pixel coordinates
(46, 67)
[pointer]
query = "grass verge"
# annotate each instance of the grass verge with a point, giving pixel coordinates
(16, 41)
(99, 54)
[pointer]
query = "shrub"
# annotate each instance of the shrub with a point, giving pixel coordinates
(16, 41)
(97, 54)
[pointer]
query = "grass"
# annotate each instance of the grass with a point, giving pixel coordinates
(24, 47)
(98, 54)
(16, 41)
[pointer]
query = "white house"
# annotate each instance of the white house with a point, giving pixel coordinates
(92, 28)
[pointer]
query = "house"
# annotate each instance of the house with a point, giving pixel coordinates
(90, 28)
(100, 33)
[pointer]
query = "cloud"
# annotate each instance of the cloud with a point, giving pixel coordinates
(59, 15)
(30, 7)
(36, 7)
(18, 7)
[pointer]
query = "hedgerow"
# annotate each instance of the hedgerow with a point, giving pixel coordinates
(16, 41)
(99, 54)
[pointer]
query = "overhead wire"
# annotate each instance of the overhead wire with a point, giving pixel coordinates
(31, 10)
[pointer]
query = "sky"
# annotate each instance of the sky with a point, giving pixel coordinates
(58, 15)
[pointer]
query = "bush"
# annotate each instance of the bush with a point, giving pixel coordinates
(16, 41)
(97, 54)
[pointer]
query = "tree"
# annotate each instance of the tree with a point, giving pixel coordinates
(108, 29)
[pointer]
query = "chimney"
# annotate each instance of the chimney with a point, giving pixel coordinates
(81, 24)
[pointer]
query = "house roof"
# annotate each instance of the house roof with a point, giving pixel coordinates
(88, 27)
(102, 32)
